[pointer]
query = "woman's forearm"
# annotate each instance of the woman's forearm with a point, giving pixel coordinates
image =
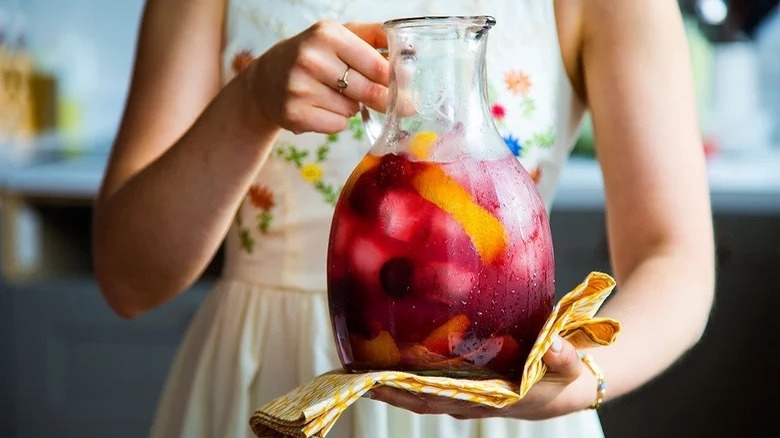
(155, 234)
(663, 306)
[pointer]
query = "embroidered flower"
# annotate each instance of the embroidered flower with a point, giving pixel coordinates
(311, 172)
(517, 82)
(242, 60)
(498, 111)
(261, 197)
(513, 143)
(536, 174)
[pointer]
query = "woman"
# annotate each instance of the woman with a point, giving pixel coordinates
(235, 130)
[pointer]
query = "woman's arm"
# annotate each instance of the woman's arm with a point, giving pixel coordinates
(639, 88)
(631, 61)
(171, 183)
(187, 150)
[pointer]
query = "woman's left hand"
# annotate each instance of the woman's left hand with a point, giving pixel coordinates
(562, 390)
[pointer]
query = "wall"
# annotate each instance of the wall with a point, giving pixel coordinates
(89, 46)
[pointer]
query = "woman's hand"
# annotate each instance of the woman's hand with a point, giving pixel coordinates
(567, 386)
(294, 85)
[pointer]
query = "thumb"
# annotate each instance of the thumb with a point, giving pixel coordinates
(562, 359)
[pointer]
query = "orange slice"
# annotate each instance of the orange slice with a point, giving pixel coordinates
(421, 144)
(485, 231)
(443, 339)
(367, 163)
(380, 352)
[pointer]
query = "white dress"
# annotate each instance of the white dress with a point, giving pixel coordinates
(265, 329)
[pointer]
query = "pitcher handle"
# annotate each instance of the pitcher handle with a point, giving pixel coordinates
(373, 121)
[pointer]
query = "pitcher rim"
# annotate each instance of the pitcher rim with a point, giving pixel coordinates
(486, 21)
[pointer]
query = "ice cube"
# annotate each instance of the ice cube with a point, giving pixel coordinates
(402, 214)
(449, 146)
(367, 258)
(342, 234)
(446, 281)
(445, 238)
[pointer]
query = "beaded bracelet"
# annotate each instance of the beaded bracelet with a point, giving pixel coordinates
(601, 385)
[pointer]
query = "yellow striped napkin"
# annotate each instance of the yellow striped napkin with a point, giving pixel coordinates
(312, 409)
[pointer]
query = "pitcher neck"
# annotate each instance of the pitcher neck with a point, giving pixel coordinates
(438, 74)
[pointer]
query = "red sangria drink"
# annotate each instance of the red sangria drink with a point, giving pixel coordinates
(444, 268)
(440, 259)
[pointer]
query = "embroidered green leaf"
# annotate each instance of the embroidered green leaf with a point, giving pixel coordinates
(544, 139)
(528, 105)
(246, 240)
(264, 220)
(356, 127)
(322, 153)
(492, 93)
(288, 152)
(239, 219)
(327, 190)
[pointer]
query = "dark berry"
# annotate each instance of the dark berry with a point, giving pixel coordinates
(394, 171)
(365, 196)
(396, 277)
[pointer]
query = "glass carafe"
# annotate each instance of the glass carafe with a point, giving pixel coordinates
(440, 259)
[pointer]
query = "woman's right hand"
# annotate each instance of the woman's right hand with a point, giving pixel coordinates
(294, 85)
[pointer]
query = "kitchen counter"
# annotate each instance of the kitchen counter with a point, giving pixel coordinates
(739, 184)
(747, 184)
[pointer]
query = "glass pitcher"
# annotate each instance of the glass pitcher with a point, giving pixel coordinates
(440, 259)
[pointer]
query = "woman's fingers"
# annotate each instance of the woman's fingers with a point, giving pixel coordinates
(314, 118)
(296, 83)
(563, 360)
(426, 404)
(329, 69)
(359, 88)
(372, 33)
(355, 52)
(336, 102)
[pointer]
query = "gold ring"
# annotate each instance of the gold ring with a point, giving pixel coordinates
(342, 82)
(601, 384)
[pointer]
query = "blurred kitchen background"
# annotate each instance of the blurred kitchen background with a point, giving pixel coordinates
(70, 368)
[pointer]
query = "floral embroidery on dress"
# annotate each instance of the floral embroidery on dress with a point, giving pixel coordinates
(513, 143)
(309, 167)
(311, 171)
(241, 61)
(498, 111)
(261, 198)
(519, 84)
(536, 174)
